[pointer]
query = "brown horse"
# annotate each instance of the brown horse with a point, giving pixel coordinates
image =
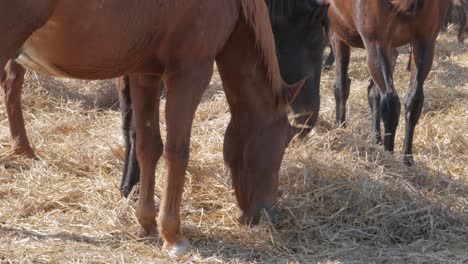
(178, 43)
(459, 6)
(378, 26)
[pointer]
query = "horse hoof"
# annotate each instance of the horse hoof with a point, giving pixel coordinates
(25, 152)
(408, 160)
(125, 191)
(179, 248)
(149, 235)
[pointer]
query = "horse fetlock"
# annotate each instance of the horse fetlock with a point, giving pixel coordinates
(23, 150)
(389, 142)
(149, 232)
(407, 159)
(169, 227)
(147, 218)
(390, 110)
(174, 241)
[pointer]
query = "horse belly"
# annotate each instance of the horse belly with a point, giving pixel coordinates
(86, 42)
(57, 56)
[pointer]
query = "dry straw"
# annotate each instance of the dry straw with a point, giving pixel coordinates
(343, 199)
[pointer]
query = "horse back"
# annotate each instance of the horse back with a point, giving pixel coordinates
(378, 19)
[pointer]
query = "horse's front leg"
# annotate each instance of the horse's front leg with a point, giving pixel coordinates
(462, 20)
(373, 98)
(12, 84)
(149, 147)
(184, 90)
(380, 66)
(421, 64)
(342, 82)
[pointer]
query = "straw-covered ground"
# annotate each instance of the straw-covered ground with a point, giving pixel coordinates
(342, 198)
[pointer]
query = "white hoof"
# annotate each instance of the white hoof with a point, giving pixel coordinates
(178, 249)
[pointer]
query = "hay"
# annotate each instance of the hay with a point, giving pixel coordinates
(343, 199)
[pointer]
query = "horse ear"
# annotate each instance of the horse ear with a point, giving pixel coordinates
(290, 91)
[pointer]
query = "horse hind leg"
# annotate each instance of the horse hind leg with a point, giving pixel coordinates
(12, 85)
(149, 147)
(342, 81)
(184, 91)
(19, 19)
(329, 61)
(373, 98)
(421, 60)
(462, 20)
(131, 170)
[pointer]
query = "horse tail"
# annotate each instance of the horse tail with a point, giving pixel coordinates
(406, 7)
(257, 16)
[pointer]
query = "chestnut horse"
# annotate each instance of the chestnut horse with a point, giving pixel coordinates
(298, 27)
(379, 26)
(178, 43)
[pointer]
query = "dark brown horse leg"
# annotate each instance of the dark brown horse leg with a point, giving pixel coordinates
(149, 147)
(423, 54)
(184, 91)
(13, 85)
(408, 66)
(462, 20)
(380, 67)
(131, 170)
(373, 98)
(447, 18)
(329, 61)
(342, 82)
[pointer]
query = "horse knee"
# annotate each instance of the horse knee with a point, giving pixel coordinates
(178, 153)
(153, 149)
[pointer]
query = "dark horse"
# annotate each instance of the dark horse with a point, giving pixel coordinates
(378, 26)
(177, 43)
(298, 27)
(459, 7)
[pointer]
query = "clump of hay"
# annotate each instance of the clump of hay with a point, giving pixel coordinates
(342, 198)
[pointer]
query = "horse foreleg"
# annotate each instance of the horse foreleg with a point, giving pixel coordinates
(184, 90)
(421, 63)
(462, 21)
(380, 67)
(329, 61)
(13, 85)
(342, 82)
(149, 147)
(131, 170)
(373, 98)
